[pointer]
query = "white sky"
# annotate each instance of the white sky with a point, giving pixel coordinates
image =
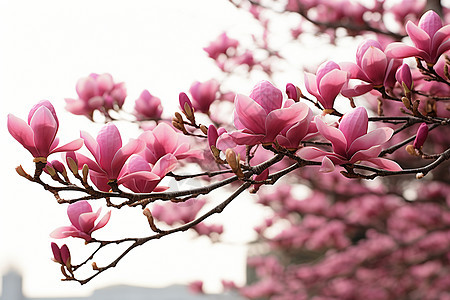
(45, 46)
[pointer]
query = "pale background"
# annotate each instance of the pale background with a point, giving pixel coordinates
(45, 47)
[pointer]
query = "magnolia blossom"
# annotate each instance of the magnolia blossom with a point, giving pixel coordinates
(372, 66)
(83, 222)
(164, 139)
(39, 135)
(94, 92)
(351, 143)
(147, 106)
(109, 155)
(61, 255)
(140, 177)
(327, 83)
(430, 39)
(220, 46)
(172, 213)
(261, 117)
(203, 94)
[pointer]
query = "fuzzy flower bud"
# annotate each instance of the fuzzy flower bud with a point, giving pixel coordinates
(404, 77)
(421, 136)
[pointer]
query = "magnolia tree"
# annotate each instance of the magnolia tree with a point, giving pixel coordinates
(367, 143)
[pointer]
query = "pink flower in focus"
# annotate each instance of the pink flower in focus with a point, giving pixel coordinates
(261, 117)
(220, 46)
(83, 219)
(109, 155)
(421, 136)
(203, 94)
(404, 77)
(39, 135)
(372, 66)
(164, 139)
(327, 83)
(351, 143)
(147, 106)
(430, 39)
(95, 92)
(61, 255)
(140, 177)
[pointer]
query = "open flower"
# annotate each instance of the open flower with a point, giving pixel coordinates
(203, 94)
(140, 177)
(351, 143)
(164, 139)
(96, 91)
(109, 155)
(430, 39)
(261, 117)
(39, 135)
(83, 222)
(147, 106)
(327, 83)
(372, 66)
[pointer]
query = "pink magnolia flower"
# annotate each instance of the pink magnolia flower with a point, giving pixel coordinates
(94, 92)
(83, 222)
(293, 92)
(372, 66)
(109, 155)
(61, 255)
(430, 39)
(164, 139)
(421, 136)
(147, 106)
(183, 212)
(140, 177)
(291, 136)
(404, 77)
(39, 135)
(327, 83)
(203, 94)
(351, 143)
(220, 46)
(261, 117)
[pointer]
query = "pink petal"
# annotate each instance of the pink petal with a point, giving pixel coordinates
(362, 48)
(365, 154)
(357, 90)
(225, 141)
(324, 69)
(76, 209)
(278, 119)
(374, 64)
(311, 85)
(400, 50)
(63, 232)
(133, 146)
(91, 144)
(420, 38)
(76, 106)
(87, 220)
(109, 142)
(439, 37)
(22, 132)
(46, 104)
(166, 137)
(354, 71)
(164, 165)
(250, 113)
(244, 138)
(430, 22)
(71, 146)
(105, 83)
(376, 137)
(354, 124)
(56, 253)
(82, 160)
(327, 165)
(385, 164)
(334, 135)
(266, 95)
(86, 88)
(330, 86)
(139, 175)
(44, 128)
(103, 221)
(100, 181)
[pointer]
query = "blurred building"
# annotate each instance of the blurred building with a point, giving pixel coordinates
(12, 290)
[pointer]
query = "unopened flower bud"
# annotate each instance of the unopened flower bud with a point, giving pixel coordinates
(293, 92)
(204, 129)
(406, 102)
(404, 77)
(421, 136)
(94, 266)
(186, 106)
(50, 170)
(85, 172)
(22, 172)
(420, 175)
(73, 166)
(411, 150)
(233, 162)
